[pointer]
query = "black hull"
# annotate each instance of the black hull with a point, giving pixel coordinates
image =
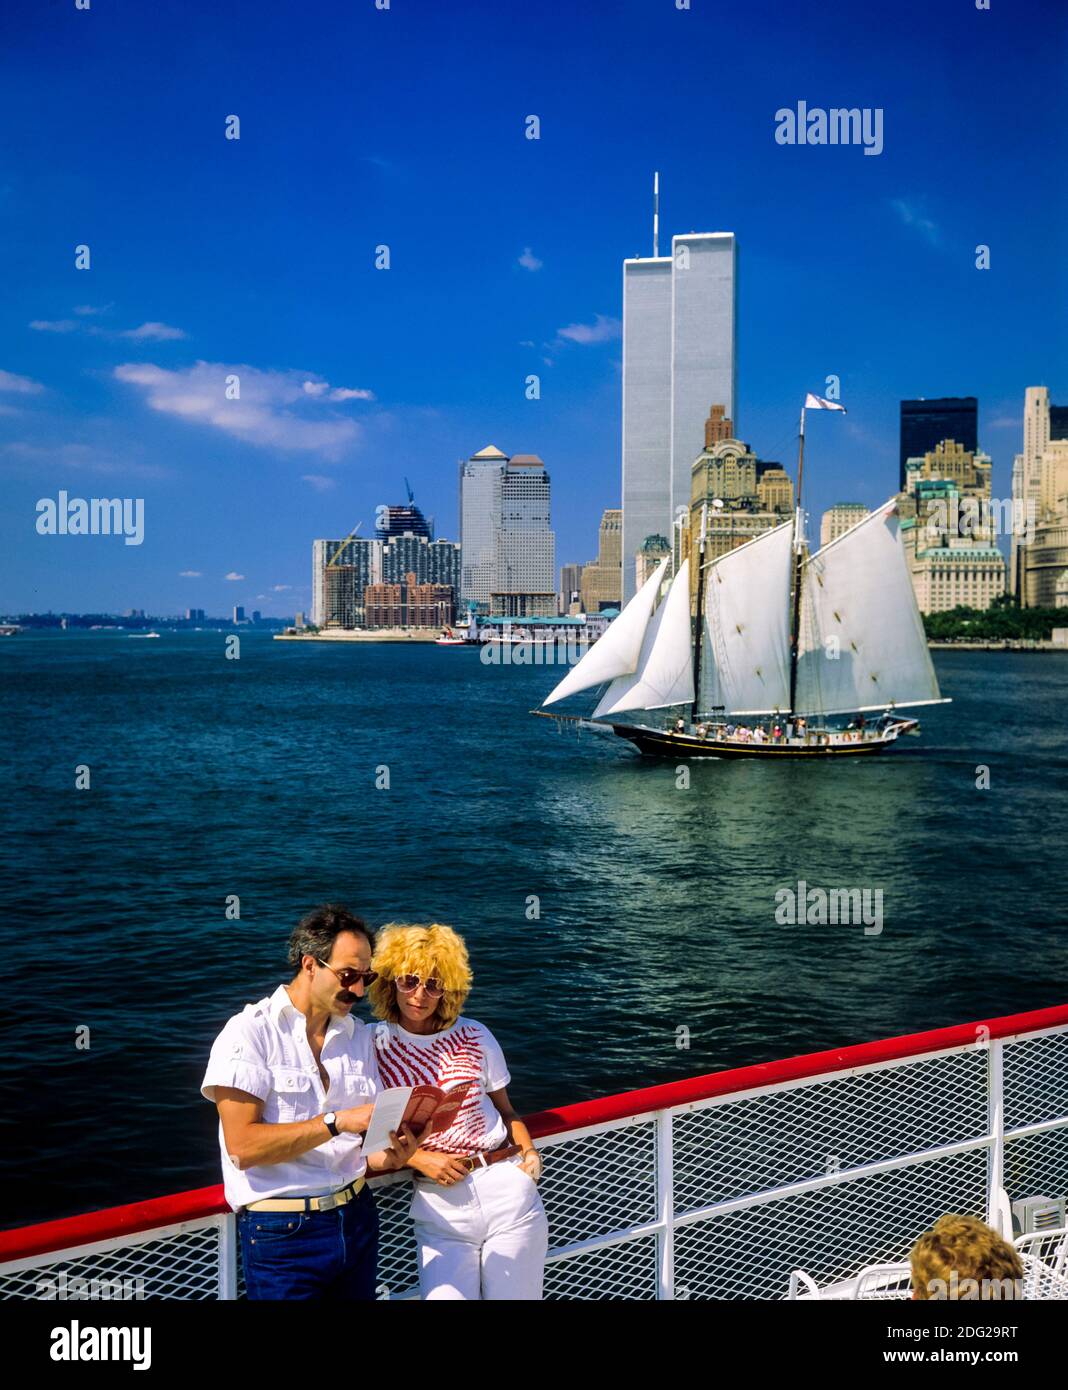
(663, 743)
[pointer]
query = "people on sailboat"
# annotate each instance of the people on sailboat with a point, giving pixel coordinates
(702, 731)
(776, 733)
(680, 725)
(759, 736)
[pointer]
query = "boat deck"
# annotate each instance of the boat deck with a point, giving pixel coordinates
(723, 1186)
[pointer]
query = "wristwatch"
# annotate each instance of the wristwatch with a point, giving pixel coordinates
(330, 1120)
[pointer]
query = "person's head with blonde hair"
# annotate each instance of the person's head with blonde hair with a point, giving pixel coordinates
(433, 953)
(961, 1257)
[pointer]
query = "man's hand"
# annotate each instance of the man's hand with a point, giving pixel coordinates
(354, 1120)
(444, 1169)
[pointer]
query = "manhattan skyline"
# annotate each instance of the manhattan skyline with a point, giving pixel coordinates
(257, 257)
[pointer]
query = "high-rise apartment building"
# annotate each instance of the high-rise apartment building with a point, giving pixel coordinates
(341, 571)
(401, 520)
(925, 423)
(678, 355)
(432, 562)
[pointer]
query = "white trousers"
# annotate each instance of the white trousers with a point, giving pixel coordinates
(484, 1237)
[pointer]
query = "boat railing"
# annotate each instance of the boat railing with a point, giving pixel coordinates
(721, 1186)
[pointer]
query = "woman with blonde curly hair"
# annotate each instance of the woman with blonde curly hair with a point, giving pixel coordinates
(479, 1221)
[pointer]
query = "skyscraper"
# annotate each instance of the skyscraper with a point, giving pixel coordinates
(601, 580)
(1040, 502)
(525, 585)
(926, 423)
(480, 517)
(678, 355)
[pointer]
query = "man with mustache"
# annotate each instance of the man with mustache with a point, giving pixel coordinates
(294, 1079)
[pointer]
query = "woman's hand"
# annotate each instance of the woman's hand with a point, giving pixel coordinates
(444, 1169)
(531, 1164)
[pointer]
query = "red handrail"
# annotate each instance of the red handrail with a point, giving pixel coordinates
(71, 1231)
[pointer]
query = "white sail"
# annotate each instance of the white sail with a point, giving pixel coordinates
(665, 667)
(862, 643)
(745, 655)
(617, 652)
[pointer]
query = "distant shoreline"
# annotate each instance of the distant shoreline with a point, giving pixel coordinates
(999, 644)
(385, 634)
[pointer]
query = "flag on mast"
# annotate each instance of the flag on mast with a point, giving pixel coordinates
(819, 403)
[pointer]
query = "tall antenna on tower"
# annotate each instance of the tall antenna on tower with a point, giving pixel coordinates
(656, 213)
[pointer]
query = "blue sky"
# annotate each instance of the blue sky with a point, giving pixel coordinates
(406, 127)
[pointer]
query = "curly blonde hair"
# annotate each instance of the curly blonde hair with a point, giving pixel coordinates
(963, 1248)
(434, 951)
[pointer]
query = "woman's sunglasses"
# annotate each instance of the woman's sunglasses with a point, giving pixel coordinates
(408, 984)
(347, 977)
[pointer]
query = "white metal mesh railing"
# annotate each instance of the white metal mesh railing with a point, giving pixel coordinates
(724, 1196)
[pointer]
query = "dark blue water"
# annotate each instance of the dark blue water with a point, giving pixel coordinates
(657, 904)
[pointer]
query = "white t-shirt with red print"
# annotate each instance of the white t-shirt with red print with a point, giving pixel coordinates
(467, 1051)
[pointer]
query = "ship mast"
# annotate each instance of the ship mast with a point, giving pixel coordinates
(795, 612)
(700, 614)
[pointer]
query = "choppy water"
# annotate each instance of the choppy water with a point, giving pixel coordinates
(257, 777)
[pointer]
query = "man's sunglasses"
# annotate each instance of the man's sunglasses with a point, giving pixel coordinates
(347, 977)
(408, 984)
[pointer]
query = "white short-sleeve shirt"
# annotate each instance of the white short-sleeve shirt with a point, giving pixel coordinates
(466, 1051)
(265, 1050)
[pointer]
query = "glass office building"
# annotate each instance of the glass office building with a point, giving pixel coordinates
(925, 423)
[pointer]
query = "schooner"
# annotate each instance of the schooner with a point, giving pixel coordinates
(790, 655)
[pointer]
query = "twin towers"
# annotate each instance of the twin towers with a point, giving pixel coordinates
(678, 359)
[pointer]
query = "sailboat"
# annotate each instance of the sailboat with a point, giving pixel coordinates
(791, 655)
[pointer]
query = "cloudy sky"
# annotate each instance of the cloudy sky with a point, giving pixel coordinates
(213, 259)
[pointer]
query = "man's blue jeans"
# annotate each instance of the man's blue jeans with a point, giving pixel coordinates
(325, 1255)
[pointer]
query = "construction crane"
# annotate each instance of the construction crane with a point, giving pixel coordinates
(331, 564)
(411, 494)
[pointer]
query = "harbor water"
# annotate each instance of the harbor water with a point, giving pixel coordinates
(622, 915)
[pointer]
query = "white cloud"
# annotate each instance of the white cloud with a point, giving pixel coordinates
(602, 330)
(351, 393)
(234, 575)
(319, 481)
(22, 385)
(529, 261)
(275, 410)
(322, 390)
(91, 309)
(54, 325)
(190, 574)
(912, 217)
(280, 588)
(153, 332)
